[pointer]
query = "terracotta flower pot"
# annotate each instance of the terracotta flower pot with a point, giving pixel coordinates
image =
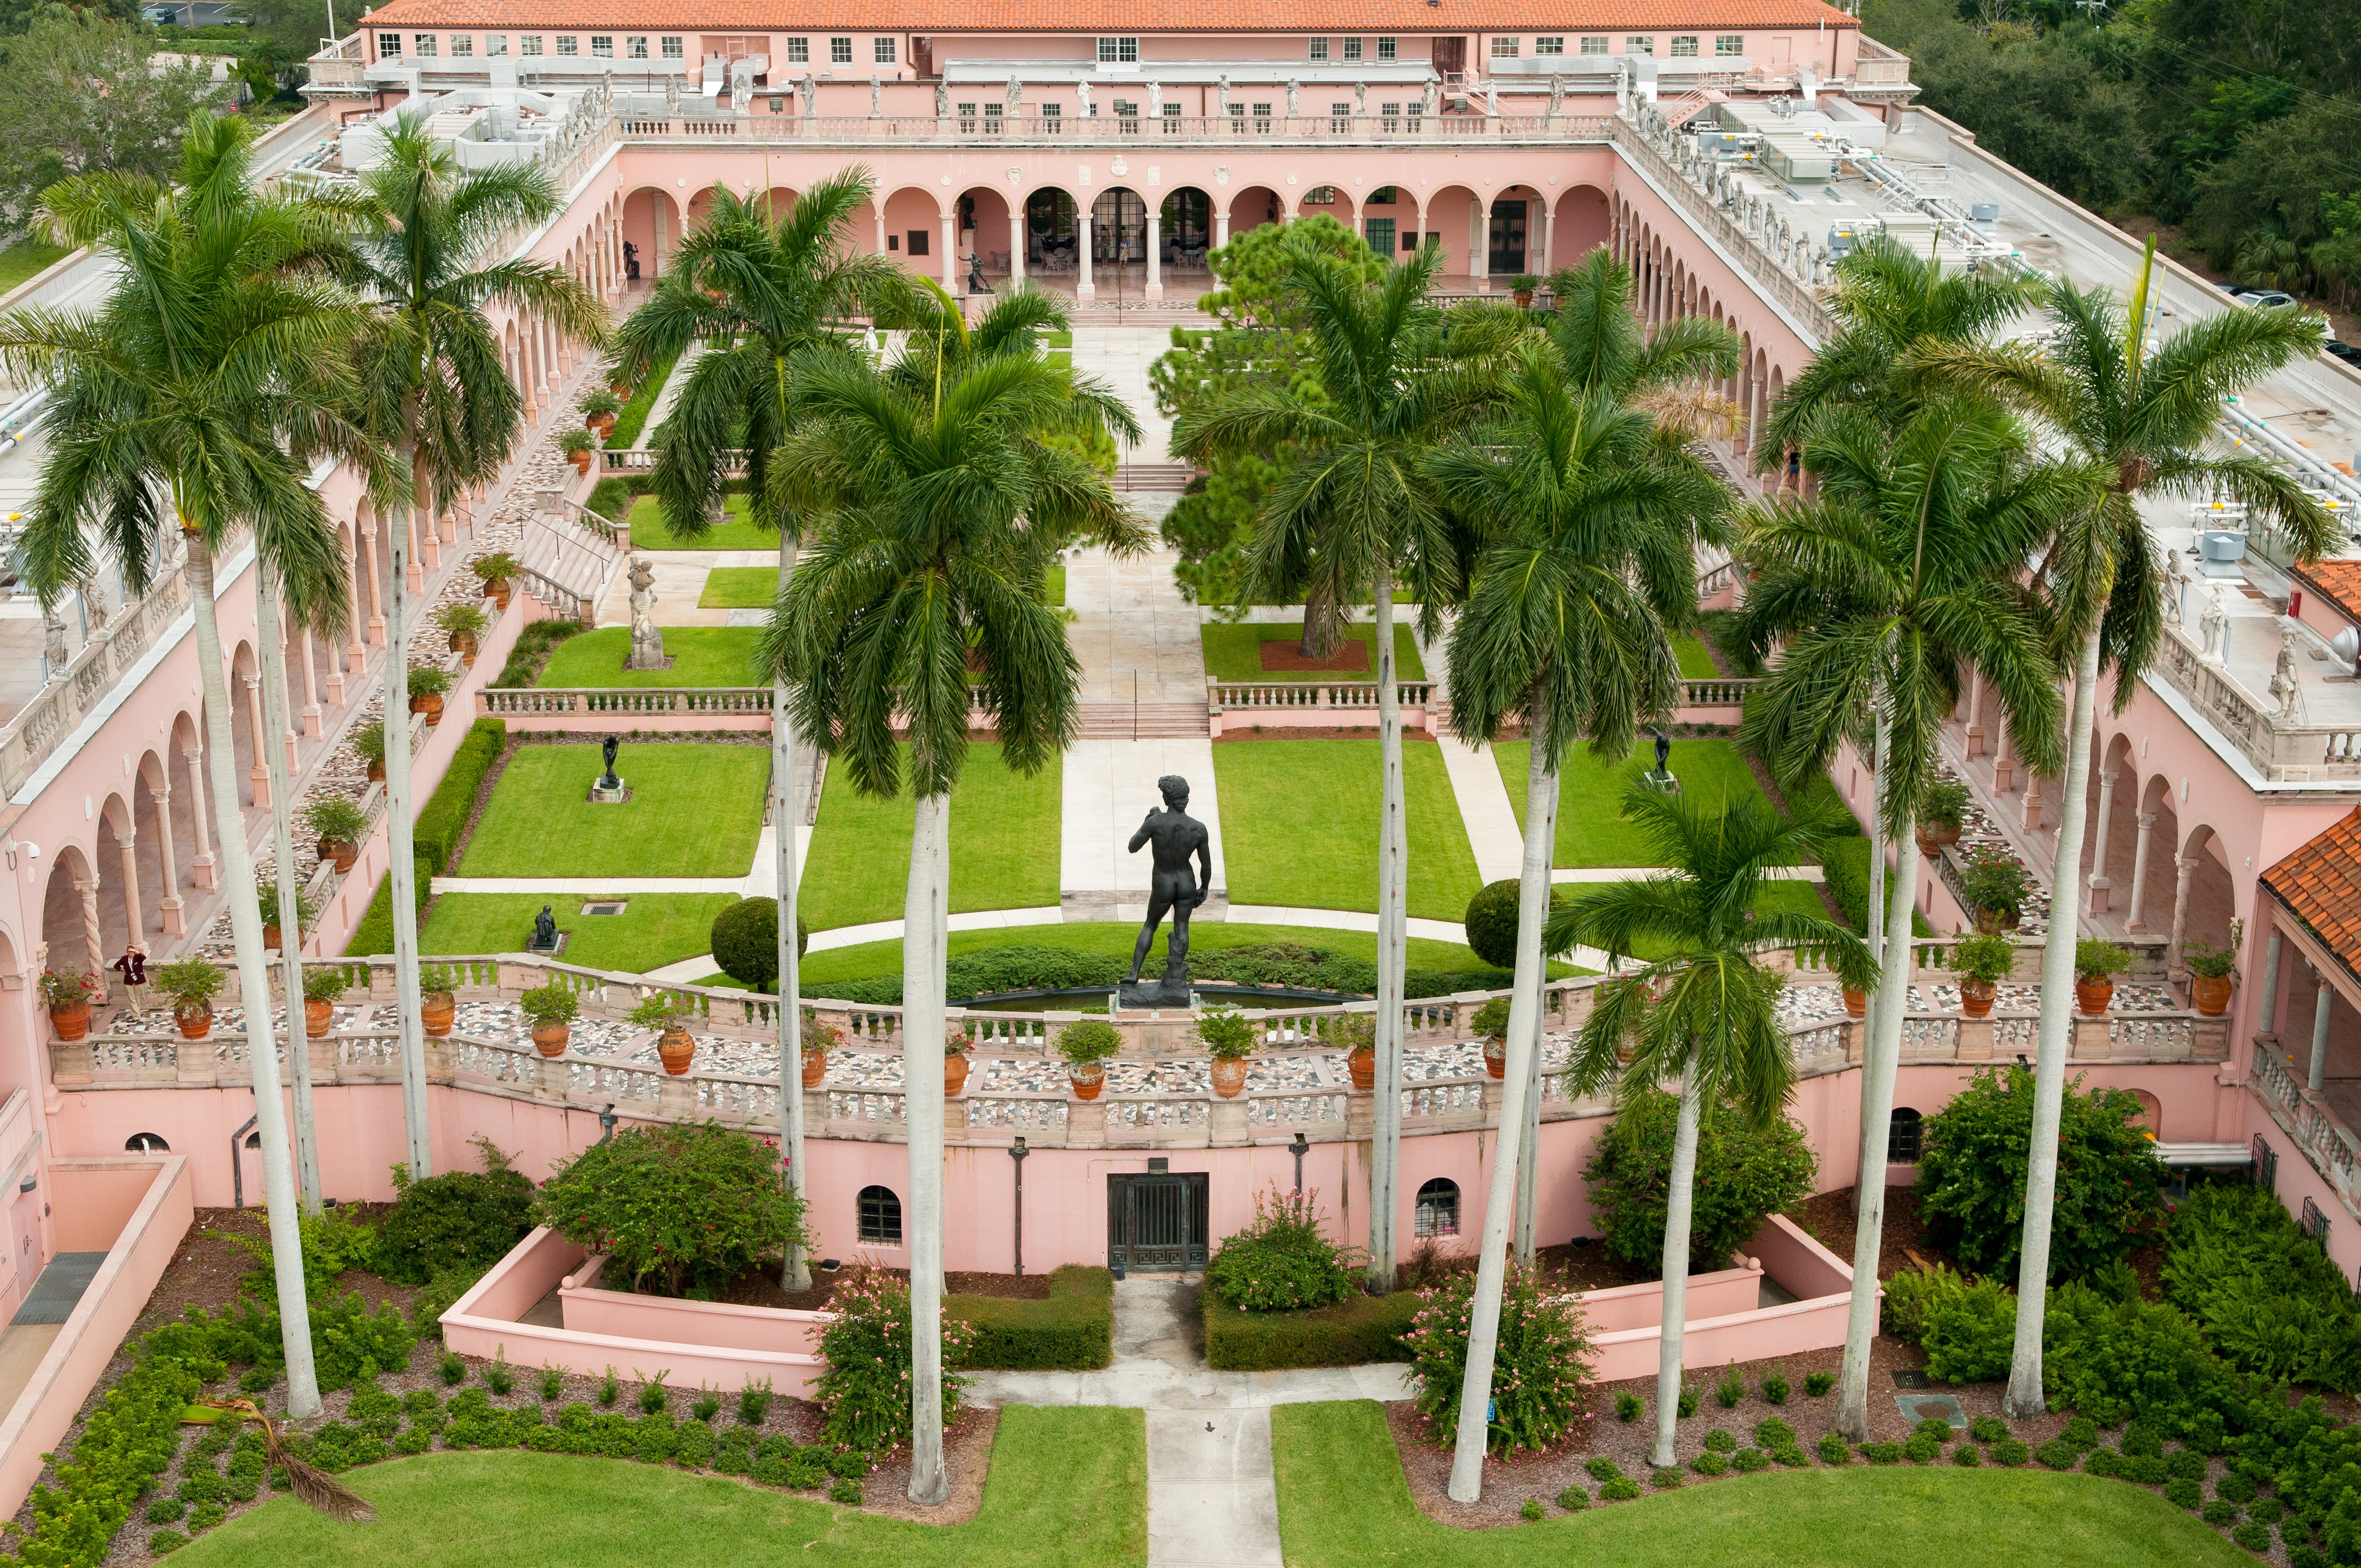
(318, 1017)
(270, 935)
(464, 643)
(1087, 1077)
(602, 427)
(2211, 993)
(622, 390)
(1229, 1076)
(71, 1020)
(436, 1011)
(815, 1069)
(549, 1039)
(342, 853)
(1496, 1058)
(584, 458)
(1992, 922)
(1364, 1066)
(1932, 841)
(1524, 298)
(431, 705)
(377, 771)
(954, 1074)
(1856, 1002)
(2092, 995)
(195, 1019)
(675, 1050)
(1976, 996)
(497, 590)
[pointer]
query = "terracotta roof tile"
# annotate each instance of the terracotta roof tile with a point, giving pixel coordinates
(2338, 582)
(1080, 17)
(2321, 885)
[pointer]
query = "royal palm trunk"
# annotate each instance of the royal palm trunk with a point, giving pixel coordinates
(926, 919)
(273, 666)
(797, 1273)
(1393, 952)
(402, 874)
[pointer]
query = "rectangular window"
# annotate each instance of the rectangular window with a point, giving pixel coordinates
(672, 48)
(1172, 119)
(1383, 196)
(839, 51)
(1385, 49)
(1594, 46)
(389, 45)
(918, 242)
(1552, 45)
(883, 50)
(992, 113)
(1409, 239)
(1053, 119)
(424, 44)
(1685, 46)
(894, 242)
(1639, 43)
(799, 51)
(529, 44)
(496, 44)
(966, 119)
(1320, 49)
(1262, 119)
(566, 44)
(1730, 43)
(1352, 48)
(1389, 118)
(1127, 117)
(462, 47)
(1504, 48)
(635, 49)
(602, 45)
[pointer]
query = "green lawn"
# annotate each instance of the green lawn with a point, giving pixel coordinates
(1343, 1503)
(739, 587)
(1299, 826)
(24, 258)
(1067, 1489)
(1005, 845)
(733, 532)
(694, 811)
(654, 929)
(1591, 827)
(1695, 662)
(701, 656)
(1053, 586)
(1233, 652)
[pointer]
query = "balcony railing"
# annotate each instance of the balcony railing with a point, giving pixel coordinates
(2326, 1140)
(42, 725)
(518, 702)
(2283, 751)
(1265, 696)
(1120, 130)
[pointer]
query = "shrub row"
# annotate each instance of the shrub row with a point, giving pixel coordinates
(435, 836)
(2266, 1295)
(1071, 1331)
(1287, 965)
(633, 417)
(531, 650)
(1844, 866)
(1362, 1329)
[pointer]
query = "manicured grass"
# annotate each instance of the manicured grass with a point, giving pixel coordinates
(1343, 1503)
(24, 258)
(1695, 662)
(654, 929)
(701, 656)
(733, 532)
(1591, 827)
(1234, 652)
(1067, 1489)
(738, 588)
(694, 811)
(1005, 845)
(1299, 826)
(869, 960)
(1053, 586)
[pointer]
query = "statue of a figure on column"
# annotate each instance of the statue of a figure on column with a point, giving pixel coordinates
(1360, 100)
(647, 638)
(1557, 94)
(876, 92)
(1293, 89)
(2214, 628)
(942, 99)
(2176, 583)
(807, 94)
(2289, 695)
(1082, 95)
(671, 95)
(1013, 95)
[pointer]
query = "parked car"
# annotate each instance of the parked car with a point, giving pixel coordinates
(2265, 299)
(2345, 351)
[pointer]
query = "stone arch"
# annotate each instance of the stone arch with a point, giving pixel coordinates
(1185, 225)
(71, 935)
(125, 907)
(2149, 905)
(1052, 229)
(987, 228)
(252, 766)
(1579, 224)
(162, 847)
(1454, 211)
(1396, 205)
(1253, 207)
(912, 216)
(2205, 891)
(1518, 216)
(652, 228)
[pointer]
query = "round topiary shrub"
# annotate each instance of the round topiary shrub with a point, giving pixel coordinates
(1492, 923)
(1742, 1174)
(746, 942)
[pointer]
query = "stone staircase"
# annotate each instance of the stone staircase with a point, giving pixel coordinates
(1123, 720)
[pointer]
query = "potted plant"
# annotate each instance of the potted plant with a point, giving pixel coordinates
(1996, 882)
(1941, 812)
(1356, 1033)
(466, 621)
(437, 1007)
(1521, 289)
(495, 569)
(580, 447)
(322, 989)
(819, 1040)
(1229, 1038)
(552, 1008)
(192, 983)
(369, 741)
(265, 891)
(1491, 1026)
(957, 1043)
(69, 993)
(1981, 962)
(617, 385)
(660, 1011)
(427, 685)
(600, 406)
(1086, 1043)
(2212, 971)
(337, 821)
(2096, 964)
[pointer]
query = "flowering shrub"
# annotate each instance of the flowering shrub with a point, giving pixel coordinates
(1541, 1371)
(865, 1395)
(690, 1208)
(1282, 1262)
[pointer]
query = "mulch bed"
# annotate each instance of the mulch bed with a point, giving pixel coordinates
(1828, 1218)
(1350, 655)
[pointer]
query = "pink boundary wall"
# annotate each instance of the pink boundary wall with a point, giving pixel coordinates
(1725, 1323)
(138, 1208)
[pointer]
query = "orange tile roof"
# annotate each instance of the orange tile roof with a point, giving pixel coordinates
(1082, 17)
(2338, 582)
(2321, 885)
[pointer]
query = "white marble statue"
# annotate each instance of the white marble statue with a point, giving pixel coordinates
(647, 638)
(2214, 628)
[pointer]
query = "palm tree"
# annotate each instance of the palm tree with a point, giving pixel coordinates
(207, 381)
(1899, 575)
(1567, 625)
(936, 517)
(1704, 1012)
(2139, 414)
(768, 297)
(1351, 511)
(437, 389)
(270, 747)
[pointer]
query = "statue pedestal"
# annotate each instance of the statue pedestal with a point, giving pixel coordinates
(1662, 782)
(600, 795)
(553, 950)
(1143, 994)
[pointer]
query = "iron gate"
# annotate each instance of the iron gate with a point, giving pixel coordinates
(1155, 1222)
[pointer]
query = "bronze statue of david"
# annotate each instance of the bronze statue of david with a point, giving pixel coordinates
(1176, 886)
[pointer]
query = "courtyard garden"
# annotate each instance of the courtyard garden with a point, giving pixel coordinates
(650, 930)
(695, 810)
(738, 588)
(1591, 827)
(1269, 652)
(701, 656)
(1005, 845)
(1299, 820)
(734, 531)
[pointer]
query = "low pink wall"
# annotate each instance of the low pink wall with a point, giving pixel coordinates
(590, 1310)
(1246, 720)
(608, 723)
(1712, 1295)
(93, 1201)
(137, 1256)
(1741, 1333)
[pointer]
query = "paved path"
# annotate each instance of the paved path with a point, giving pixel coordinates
(1132, 625)
(680, 582)
(1120, 356)
(1109, 786)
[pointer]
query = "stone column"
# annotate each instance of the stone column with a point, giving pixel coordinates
(1546, 235)
(413, 571)
(1975, 712)
(135, 919)
(950, 253)
(2267, 1020)
(1221, 225)
(1154, 251)
(1754, 415)
(2133, 918)
(2005, 766)
(2033, 802)
(1016, 246)
(169, 905)
(202, 868)
(1479, 251)
(881, 231)
(2099, 882)
(2326, 999)
(1083, 288)
(260, 772)
(89, 890)
(2184, 868)
(377, 602)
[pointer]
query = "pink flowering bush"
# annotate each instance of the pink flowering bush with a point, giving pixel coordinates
(865, 1392)
(1541, 1373)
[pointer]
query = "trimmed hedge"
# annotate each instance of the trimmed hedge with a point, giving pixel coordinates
(1073, 1331)
(374, 934)
(633, 415)
(1284, 964)
(1365, 1329)
(435, 836)
(1844, 864)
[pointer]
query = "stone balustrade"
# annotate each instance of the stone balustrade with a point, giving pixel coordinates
(2283, 750)
(1144, 132)
(109, 654)
(2304, 1115)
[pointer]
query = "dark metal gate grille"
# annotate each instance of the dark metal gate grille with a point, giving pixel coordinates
(1155, 1222)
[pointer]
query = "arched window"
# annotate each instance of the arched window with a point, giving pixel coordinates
(1438, 1209)
(146, 1143)
(1902, 1136)
(881, 1216)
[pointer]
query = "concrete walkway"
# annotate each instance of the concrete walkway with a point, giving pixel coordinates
(761, 880)
(1131, 625)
